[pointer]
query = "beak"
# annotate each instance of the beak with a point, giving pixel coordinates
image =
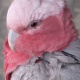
(12, 36)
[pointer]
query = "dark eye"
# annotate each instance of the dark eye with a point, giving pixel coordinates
(34, 23)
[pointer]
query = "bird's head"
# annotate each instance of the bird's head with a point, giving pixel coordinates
(37, 26)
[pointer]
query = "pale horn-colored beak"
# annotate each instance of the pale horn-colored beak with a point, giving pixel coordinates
(12, 36)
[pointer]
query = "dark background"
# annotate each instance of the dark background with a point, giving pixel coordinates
(4, 5)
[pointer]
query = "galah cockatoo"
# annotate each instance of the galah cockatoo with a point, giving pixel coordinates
(42, 42)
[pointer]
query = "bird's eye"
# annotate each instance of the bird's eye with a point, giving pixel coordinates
(34, 23)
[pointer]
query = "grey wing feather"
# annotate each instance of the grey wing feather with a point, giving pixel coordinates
(74, 48)
(30, 71)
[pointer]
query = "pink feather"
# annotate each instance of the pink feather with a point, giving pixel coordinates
(55, 33)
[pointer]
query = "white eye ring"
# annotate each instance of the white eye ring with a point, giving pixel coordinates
(35, 23)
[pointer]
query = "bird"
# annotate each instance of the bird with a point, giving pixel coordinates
(42, 42)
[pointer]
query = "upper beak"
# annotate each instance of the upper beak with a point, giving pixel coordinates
(12, 36)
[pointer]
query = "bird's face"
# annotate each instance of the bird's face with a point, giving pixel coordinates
(35, 26)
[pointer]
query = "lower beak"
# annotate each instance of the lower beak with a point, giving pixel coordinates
(12, 36)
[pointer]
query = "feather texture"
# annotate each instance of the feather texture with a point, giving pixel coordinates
(53, 34)
(60, 67)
